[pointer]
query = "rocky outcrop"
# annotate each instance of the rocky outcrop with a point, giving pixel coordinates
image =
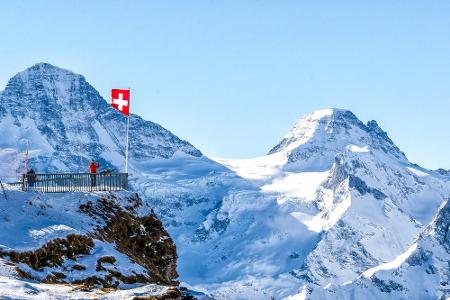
(442, 226)
(142, 239)
(361, 186)
(53, 253)
(145, 241)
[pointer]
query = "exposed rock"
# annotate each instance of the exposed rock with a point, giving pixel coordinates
(387, 286)
(362, 188)
(442, 226)
(146, 242)
(171, 294)
(443, 172)
(143, 239)
(53, 253)
(79, 267)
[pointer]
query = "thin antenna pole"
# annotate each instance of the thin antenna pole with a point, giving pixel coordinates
(128, 126)
(26, 156)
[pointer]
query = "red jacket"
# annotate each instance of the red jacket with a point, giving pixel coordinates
(93, 167)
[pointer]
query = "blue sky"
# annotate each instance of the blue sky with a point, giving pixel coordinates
(233, 76)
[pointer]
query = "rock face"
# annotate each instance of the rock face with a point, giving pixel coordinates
(53, 254)
(442, 226)
(143, 239)
(422, 271)
(118, 248)
(443, 172)
(68, 123)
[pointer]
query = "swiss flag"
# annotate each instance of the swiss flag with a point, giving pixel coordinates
(121, 100)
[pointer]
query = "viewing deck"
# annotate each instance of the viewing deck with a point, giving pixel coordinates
(72, 182)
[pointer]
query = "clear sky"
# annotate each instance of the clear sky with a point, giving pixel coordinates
(233, 76)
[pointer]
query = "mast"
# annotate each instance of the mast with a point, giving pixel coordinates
(126, 147)
(128, 127)
(26, 156)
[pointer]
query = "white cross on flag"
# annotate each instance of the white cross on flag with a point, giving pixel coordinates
(121, 100)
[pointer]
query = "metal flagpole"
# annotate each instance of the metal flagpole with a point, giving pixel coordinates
(126, 149)
(128, 126)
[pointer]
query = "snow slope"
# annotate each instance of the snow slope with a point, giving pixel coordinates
(421, 272)
(333, 200)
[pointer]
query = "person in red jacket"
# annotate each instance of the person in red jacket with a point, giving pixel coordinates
(93, 166)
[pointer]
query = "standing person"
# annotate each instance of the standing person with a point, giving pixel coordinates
(93, 166)
(31, 177)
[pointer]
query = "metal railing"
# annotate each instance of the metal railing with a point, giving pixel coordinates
(71, 182)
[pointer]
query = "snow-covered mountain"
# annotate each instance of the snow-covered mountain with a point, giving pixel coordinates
(68, 123)
(335, 199)
(348, 182)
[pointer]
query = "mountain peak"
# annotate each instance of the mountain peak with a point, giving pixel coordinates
(46, 71)
(314, 123)
(328, 112)
(45, 87)
(45, 66)
(327, 132)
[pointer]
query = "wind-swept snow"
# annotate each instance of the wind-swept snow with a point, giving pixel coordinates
(392, 264)
(297, 185)
(417, 172)
(354, 148)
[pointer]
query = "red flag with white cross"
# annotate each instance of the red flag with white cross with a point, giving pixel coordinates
(121, 100)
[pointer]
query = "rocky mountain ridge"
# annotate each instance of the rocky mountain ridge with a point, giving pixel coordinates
(68, 123)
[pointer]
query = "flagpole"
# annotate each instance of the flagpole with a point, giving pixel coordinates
(128, 126)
